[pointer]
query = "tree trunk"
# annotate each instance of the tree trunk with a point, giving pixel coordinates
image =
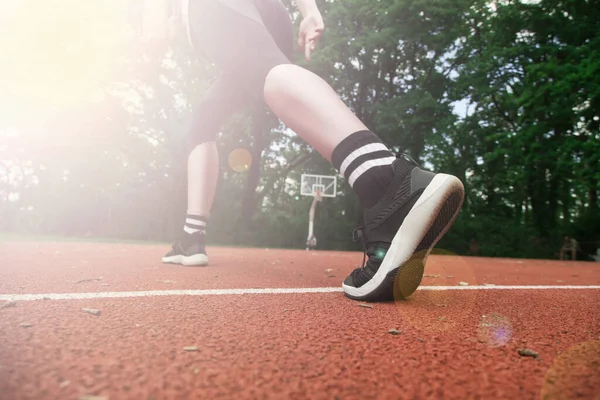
(552, 196)
(537, 200)
(269, 185)
(593, 197)
(565, 202)
(526, 218)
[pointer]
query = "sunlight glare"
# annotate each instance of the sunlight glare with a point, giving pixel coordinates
(55, 53)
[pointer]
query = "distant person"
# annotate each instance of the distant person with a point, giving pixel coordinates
(570, 245)
(596, 256)
(311, 243)
(473, 247)
(406, 209)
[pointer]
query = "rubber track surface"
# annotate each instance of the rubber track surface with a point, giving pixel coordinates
(452, 344)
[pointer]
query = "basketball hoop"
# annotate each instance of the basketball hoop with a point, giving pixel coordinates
(311, 184)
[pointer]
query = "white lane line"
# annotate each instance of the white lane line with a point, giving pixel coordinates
(217, 292)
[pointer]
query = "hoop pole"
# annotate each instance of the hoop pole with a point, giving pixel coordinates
(311, 218)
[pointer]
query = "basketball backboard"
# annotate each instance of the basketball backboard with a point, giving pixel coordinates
(326, 184)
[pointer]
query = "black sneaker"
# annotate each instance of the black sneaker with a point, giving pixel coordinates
(399, 232)
(189, 250)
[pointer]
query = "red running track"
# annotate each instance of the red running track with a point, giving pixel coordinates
(453, 344)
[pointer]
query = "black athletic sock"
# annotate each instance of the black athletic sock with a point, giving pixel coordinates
(366, 163)
(195, 223)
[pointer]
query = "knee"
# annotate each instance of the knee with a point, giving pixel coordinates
(278, 87)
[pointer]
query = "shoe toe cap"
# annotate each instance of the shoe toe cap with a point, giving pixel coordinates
(349, 281)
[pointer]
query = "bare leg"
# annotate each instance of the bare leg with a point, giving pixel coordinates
(310, 107)
(203, 170)
(300, 98)
(222, 100)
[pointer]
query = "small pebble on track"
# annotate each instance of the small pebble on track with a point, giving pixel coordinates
(92, 311)
(9, 303)
(191, 348)
(87, 280)
(528, 353)
(394, 332)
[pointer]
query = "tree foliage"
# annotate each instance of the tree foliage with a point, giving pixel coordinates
(505, 95)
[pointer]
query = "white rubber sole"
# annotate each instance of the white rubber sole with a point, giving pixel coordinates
(416, 225)
(197, 260)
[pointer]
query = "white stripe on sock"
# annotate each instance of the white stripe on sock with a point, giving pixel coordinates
(195, 222)
(189, 230)
(367, 165)
(366, 149)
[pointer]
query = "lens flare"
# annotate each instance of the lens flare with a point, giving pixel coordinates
(380, 253)
(57, 52)
(574, 373)
(240, 160)
(432, 311)
(495, 330)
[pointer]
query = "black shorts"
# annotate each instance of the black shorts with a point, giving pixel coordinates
(245, 39)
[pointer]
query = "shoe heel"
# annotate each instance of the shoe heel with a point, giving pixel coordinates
(403, 280)
(408, 276)
(197, 260)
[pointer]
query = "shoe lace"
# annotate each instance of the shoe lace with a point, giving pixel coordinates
(408, 158)
(374, 250)
(358, 234)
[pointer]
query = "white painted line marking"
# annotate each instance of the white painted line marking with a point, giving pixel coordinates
(509, 287)
(217, 292)
(153, 293)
